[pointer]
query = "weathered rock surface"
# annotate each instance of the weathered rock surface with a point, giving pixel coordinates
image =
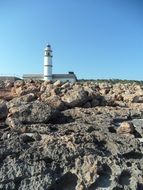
(71, 137)
(75, 98)
(3, 110)
(30, 113)
(126, 128)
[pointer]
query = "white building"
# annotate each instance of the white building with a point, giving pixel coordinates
(48, 74)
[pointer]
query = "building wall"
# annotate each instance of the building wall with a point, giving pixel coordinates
(33, 78)
(64, 79)
(10, 78)
(72, 80)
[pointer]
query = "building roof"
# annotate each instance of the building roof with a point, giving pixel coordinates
(10, 78)
(54, 76)
(33, 76)
(63, 76)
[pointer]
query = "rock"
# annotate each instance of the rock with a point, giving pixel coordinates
(138, 123)
(46, 142)
(31, 89)
(104, 91)
(13, 122)
(75, 98)
(3, 110)
(120, 103)
(105, 85)
(27, 90)
(35, 112)
(89, 176)
(57, 83)
(2, 85)
(55, 102)
(66, 85)
(45, 83)
(138, 99)
(18, 90)
(107, 100)
(18, 83)
(126, 128)
(127, 97)
(87, 105)
(91, 93)
(7, 95)
(7, 186)
(21, 100)
(49, 87)
(40, 182)
(95, 102)
(8, 84)
(45, 95)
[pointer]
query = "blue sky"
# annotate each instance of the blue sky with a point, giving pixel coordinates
(93, 38)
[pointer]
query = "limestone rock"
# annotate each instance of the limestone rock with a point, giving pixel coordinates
(57, 83)
(55, 102)
(18, 83)
(8, 84)
(33, 112)
(80, 136)
(45, 95)
(138, 123)
(2, 85)
(66, 85)
(3, 110)
(75, 98)
(126, 128)
(21, 100)
(138, 99)
(95, 102)
(19, 90)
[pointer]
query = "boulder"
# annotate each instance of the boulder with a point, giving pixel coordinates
(126, 128)
(18, 83)
(21, 100)
(138, 99)
(49, 87)
(2, 85)
(107, 100)
(45, 95)
(75, 98)
(42, 88)
(105, 85)
(33, 112)
(8, 84)
(138, 123)
(66, 85)
(120, 103)
(95, 102)
(58, 83)
(18, 90)
(45, 83)
(3, 110)
(27, 89)
(31, 89)
(91, 93)
(127, 97)
(55, 102)
(6, 94)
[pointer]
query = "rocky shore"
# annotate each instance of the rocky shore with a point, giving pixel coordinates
(82, 136)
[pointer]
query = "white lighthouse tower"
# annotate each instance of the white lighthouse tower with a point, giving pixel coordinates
(48, 63)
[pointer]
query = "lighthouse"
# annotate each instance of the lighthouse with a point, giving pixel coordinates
(47, 74)
(48, 63)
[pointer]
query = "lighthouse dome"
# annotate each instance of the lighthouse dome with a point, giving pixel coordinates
(48, 47)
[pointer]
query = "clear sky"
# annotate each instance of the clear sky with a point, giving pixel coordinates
(93, 38)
